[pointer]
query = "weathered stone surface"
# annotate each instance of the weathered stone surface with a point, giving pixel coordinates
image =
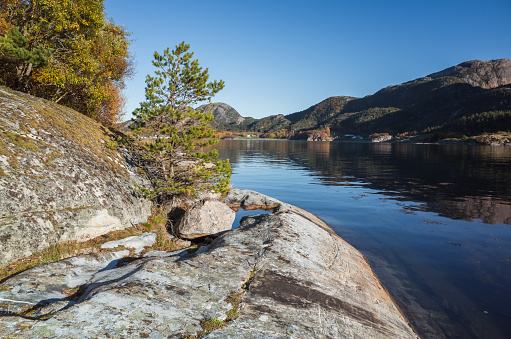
(136, 242)
(58, 180)
(48, 283)
(297, 280)
(204, 218)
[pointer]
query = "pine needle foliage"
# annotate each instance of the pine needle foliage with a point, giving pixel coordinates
(177, 133)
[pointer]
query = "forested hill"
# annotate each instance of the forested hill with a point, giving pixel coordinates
(467, 99)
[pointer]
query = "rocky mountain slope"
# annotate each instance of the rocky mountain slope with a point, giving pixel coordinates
(62, 177)
(472, 97)
(224, 114)
(479, 73)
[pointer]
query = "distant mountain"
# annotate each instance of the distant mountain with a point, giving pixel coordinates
(470, 88)
(224, 114)
(319, 115)
(472, 97)
(467, 99)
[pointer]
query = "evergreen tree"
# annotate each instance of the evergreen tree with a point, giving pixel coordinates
(175, 159)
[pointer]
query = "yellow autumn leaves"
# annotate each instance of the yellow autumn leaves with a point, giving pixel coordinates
(89, 58)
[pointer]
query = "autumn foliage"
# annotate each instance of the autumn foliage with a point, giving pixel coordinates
(65, 51)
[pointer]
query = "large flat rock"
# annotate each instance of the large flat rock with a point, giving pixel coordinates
(297, 279)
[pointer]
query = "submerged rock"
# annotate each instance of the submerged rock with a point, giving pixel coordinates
(276, 276)
(204, 218)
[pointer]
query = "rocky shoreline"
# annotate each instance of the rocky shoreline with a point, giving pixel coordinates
(279, 275)
(64, 178)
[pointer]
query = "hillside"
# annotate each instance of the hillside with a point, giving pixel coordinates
(470, 98)
(224, 114)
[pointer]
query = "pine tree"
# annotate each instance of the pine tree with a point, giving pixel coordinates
(178, 133)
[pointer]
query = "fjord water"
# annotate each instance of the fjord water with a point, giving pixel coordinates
(434, 221)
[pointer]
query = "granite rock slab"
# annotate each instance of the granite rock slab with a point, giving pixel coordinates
(297, 279)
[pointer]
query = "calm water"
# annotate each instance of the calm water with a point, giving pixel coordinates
(433, 220)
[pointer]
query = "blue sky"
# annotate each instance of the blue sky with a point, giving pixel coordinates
(280, 57)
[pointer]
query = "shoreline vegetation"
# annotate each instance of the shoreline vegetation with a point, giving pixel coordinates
(485, 139)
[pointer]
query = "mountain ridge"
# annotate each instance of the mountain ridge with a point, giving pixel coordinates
(469, 90)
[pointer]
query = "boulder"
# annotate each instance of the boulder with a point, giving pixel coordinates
(62, 177)
(276, 276)
(248, 199)
(204, 218)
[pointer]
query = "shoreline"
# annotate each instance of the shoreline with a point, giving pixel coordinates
(443, 142)
(249, 280)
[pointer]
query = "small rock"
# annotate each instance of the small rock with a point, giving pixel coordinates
(180, 252)
(136, 242)
(183, 243)
(204, 218)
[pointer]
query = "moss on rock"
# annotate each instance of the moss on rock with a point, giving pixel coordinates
(59, 178)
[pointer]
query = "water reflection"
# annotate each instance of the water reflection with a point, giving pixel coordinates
(456, 181)
(406, 208)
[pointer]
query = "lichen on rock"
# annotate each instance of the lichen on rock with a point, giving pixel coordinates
(59, 180)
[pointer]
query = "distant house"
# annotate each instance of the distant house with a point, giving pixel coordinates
(353, 137)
